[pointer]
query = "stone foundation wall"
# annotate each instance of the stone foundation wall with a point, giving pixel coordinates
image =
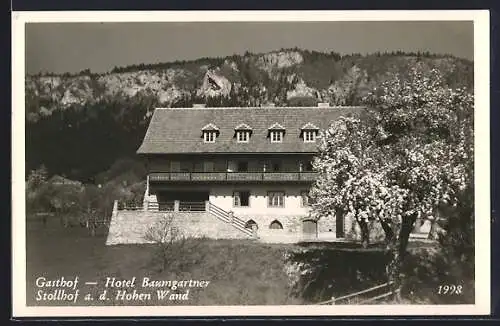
(131, 227)
(290, 223)
(327, 224)
(202, 224)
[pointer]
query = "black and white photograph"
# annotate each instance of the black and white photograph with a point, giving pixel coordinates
(208, 163)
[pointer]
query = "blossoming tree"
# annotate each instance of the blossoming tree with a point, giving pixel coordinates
(407, 157)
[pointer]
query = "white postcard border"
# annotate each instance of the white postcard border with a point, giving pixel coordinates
(482, 163)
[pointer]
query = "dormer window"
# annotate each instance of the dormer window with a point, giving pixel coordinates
(210, 136)
(309, 132)
(242, 136)
(242, 133)
(210, 133)
(276, 133)
(276, 136)
(309, 136)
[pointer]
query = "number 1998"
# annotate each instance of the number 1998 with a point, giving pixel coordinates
(450, 289)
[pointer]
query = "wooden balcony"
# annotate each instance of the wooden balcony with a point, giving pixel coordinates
(232, 177)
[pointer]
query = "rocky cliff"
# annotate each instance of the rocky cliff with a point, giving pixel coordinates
(113, 109)
(250, 79)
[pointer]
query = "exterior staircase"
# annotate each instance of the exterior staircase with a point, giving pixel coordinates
(150, 202)
(231, 219)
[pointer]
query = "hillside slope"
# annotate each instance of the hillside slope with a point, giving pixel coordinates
(78, 125)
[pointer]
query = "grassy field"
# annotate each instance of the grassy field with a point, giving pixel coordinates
(241, 272)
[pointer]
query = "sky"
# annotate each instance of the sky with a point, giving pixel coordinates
(72, 47)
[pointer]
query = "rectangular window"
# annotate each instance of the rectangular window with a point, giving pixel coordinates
(186, 166)
(175, 166)
(232, 166)
(276, 166)
(309, 136)
(276, 136)
(208, 166)
(241, 198)
(209, 137)
(306, 166)
(242, 166)
(242, 136)
(276, 199)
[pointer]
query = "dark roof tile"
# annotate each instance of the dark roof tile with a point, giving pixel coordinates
(177, 130)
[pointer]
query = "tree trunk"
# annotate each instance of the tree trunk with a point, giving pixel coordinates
(389, 233)
(397, 250)
(365, 233)
(404, 233)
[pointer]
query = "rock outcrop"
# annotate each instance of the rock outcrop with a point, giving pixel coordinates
(301, 90)
(214, 84)
(279, 60)
(250, 79)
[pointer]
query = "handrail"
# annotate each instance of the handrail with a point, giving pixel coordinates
(220, 216)
(192, 205)
(233, 176)
(357, 293)
(380, 296)
(239, 221)
(217, 208)
(235, 221)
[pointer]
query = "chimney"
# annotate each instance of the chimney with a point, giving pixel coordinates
(199, 105)
(323, 105)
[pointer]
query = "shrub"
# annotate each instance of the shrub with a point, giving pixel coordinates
(173, 251)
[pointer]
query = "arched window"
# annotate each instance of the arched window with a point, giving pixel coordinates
(276, 225)
(251, 224)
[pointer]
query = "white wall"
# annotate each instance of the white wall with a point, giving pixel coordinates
(222, 196)
(290, 216)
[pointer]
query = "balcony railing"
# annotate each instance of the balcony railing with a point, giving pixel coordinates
(232, 176)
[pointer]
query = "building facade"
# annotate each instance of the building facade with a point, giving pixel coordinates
(252, 166)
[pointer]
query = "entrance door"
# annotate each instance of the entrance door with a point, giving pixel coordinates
(310, 229)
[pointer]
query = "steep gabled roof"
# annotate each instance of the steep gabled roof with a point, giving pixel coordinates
(176, 130)
(243, 126)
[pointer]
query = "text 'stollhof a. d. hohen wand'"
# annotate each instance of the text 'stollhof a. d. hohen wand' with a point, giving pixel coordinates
(73, 290)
